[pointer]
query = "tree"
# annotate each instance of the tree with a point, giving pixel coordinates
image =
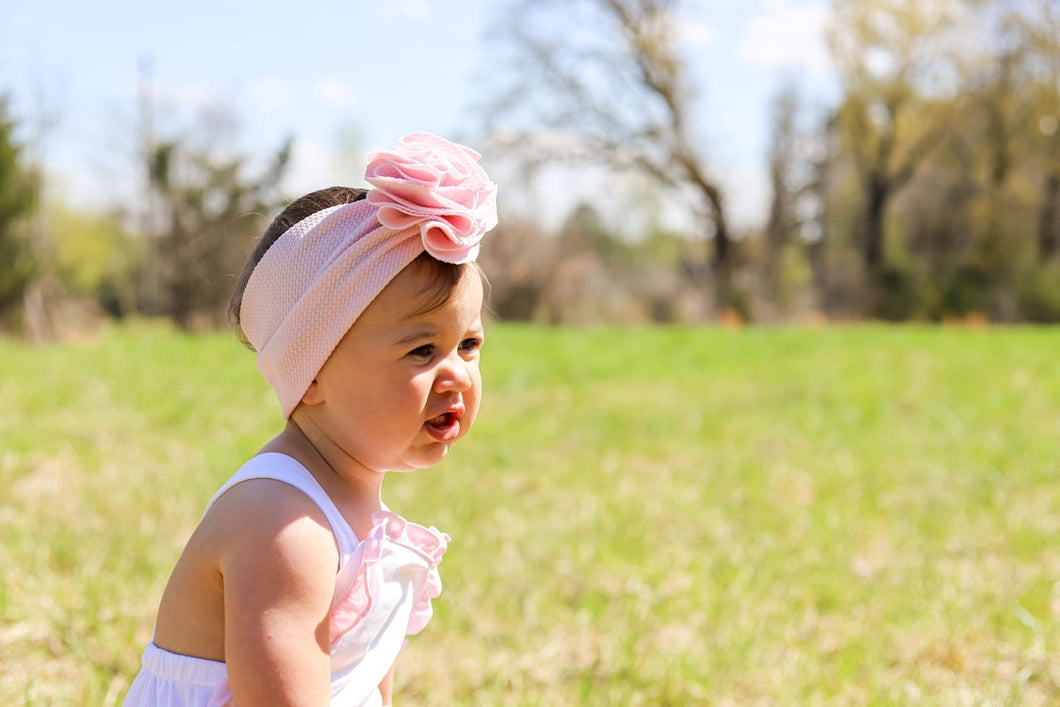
(95, 257)
(1041, 27)
(517, 261)
(990, 145)
(793, 176)
(589, 278)
(818, 193)
(18, 195)
(208, 210)
(892, 58)
(970, 215)
(603, 80)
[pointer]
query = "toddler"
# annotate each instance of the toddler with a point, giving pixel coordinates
(364, 307)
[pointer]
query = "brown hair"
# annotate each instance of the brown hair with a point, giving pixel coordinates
(445, 275)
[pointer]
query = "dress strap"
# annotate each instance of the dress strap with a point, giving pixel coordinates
(280, 467)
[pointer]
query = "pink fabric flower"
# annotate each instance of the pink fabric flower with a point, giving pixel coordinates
(439, 186)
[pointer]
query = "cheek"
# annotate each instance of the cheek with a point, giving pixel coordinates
(392, 399)
(474, 396)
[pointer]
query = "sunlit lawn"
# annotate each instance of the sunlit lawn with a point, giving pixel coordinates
(862, 515)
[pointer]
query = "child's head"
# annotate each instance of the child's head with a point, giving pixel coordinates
(403, 383)
(331, 253)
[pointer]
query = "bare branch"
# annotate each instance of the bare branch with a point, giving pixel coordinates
(618, 96)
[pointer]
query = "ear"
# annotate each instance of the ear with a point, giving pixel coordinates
(313, 395)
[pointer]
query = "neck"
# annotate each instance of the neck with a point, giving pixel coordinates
(354, 488)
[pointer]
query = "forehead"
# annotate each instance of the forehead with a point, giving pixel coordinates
(422, 292)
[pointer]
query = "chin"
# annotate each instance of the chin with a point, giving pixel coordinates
(422, 461)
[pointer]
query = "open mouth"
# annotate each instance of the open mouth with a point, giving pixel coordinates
(444, 427)
(444, 420)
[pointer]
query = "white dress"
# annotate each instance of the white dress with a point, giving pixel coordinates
(383, 591)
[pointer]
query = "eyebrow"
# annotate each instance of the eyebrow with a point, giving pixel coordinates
(419, 332)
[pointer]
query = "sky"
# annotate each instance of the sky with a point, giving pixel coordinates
(347, 77)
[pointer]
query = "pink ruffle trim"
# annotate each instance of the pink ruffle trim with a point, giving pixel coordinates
(428, 543)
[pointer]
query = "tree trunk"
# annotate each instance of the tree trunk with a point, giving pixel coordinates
(1049, 218)
(35, 310)
(873, 247)
(776, 240)
(722, 261)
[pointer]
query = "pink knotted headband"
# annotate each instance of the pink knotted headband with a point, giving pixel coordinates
(316, 279)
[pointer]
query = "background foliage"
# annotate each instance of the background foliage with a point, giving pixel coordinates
(928, 189)
(17, 195)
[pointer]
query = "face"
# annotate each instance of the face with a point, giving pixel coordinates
(402, 386)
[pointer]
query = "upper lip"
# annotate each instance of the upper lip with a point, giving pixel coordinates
(455, 409)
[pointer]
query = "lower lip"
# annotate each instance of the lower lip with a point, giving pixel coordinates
(448, 433)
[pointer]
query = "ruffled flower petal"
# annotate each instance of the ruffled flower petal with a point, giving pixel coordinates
(439, 186)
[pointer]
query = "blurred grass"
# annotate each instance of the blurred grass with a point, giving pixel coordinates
(862, 515)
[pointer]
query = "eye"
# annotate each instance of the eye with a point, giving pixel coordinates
(472, 343)
(424, 353)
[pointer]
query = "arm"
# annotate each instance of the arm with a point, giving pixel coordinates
(277, 560)
(386, 688)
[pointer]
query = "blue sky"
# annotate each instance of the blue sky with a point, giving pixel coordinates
(326, 71)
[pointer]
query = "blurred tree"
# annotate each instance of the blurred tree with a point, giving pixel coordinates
(589, 281)
(603, 80)
(96, 257)
(782, 222)
(1038, 23)
(988, 199)
(895, 67)
(19, 188)
(798, 174)
(1003, 116)
(517, 262)
(968, 217)
(1041, 27)
(817, 226)
(208, 212)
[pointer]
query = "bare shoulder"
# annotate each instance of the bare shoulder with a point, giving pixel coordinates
(263, 545)
(264, 521)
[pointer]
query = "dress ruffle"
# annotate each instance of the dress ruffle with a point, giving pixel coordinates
(427, 545)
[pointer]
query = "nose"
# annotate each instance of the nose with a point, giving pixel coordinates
(454, 375)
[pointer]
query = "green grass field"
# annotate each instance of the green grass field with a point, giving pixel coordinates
(854, 515)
